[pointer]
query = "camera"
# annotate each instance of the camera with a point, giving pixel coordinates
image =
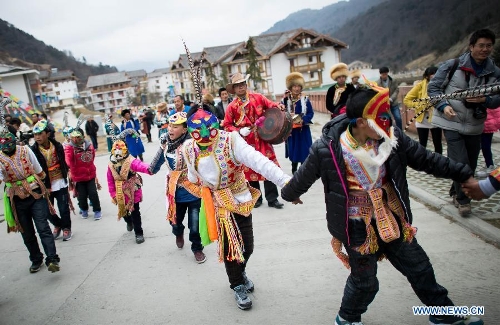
(479, 110)
(25, 137)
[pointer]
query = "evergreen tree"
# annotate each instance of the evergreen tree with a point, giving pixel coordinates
(211, 79)
(224, 77)
(253, 64)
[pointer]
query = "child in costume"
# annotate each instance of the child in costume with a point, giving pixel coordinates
(362, 160)
(26, 198)
(125, 184)
(182, 195)
(80, 155)
(215, 159)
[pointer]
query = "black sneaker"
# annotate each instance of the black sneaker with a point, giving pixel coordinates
(53, 266)
(257, 204)
(139, 239)
(455, 320)
(248, 283)
(36, 266)
(130, 226)
(276, 204)
(241, 297)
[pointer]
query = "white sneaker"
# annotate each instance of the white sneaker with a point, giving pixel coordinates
(485, 172)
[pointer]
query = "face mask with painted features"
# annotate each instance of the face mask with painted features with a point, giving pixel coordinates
(7, 143)
(203, 127)
(119, 151)
(77, 138)
(378, 110)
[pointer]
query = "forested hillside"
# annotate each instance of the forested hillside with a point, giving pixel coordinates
(18, 47)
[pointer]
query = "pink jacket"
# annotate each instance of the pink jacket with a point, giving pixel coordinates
(136, 166)
(492, 123)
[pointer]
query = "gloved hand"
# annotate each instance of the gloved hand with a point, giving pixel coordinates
(245, 131)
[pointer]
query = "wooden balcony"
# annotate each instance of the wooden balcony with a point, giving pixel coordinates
(312, 84)
(308, 67)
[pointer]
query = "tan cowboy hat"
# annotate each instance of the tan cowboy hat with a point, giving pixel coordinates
(161, 106)
(339, 69)
(294, 78)
(236, 79)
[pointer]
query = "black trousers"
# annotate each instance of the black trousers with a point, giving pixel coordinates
(62, 197)
(465, 149)
(408, 258)
(88, 190)
(235, 269)
(270, 190)
(423, 135)
(135, 219)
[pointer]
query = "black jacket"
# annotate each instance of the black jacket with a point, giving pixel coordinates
(330, 94)
(320, 163)
(41, 159)
(219, 109)
(91, 127)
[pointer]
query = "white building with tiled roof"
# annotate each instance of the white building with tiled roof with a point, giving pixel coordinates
(278, 54)
(59, 88)
(160, 81)
(110, 92)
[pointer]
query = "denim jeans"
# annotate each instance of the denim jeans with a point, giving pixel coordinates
(270, 190)
(62, 197)
(464, 149)
(396, 113)
(234, 269)
(135, 219)
(193, 212)
(88, 190)
(29, 211)
(408, 258)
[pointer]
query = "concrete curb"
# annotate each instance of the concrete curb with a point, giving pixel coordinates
(474, 224)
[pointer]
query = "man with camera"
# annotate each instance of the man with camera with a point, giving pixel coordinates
(462, 120)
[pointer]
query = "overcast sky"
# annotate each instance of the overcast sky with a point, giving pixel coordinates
(146, 34)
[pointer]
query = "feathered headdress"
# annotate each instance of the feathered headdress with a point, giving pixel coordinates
(122, 135)
(195, 73)
(3, 126)
(75, 132)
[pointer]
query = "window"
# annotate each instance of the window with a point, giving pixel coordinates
(311, 59)
(56, 85)
(312, 75)
(58, 93)
(157, 81)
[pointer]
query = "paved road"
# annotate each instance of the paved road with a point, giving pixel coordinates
(106, 278)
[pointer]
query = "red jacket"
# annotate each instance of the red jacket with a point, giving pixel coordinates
(80, 162)
(492, 123)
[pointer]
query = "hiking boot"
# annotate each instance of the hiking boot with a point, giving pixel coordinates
(57, 232)
(248, 283)
(179, 241)
(200, 257)
(53, 266)
(139, 239)
(85, 214)
(340, 321)
(130, 226)
(36, 266)
(455, 320)
(464, 210)
(241, 297)
(97, 215)
(67, 234)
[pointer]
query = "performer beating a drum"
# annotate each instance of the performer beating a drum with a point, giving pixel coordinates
(242, 115)
(299, 142)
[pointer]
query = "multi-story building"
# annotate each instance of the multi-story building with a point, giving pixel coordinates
(23, 83)
(160, 85)
(110, 92)
(277, 54)
(59, 88)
